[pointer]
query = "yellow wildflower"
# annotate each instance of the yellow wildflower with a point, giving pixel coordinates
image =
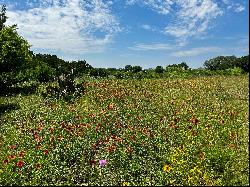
(125, 184)
(167, 168)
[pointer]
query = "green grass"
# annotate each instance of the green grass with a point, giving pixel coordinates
(150, 132)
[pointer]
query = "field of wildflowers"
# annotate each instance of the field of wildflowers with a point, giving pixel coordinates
(130, 132)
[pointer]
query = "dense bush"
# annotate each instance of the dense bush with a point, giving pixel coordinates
(65, 88)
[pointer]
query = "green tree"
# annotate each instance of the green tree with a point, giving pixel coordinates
(159, 69)
(14, 50)
(14, 53)
(220, 63)
(243, 63)
(136, 69)
(128, 68)
(183, 65)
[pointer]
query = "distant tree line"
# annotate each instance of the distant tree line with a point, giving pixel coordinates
(19, 64)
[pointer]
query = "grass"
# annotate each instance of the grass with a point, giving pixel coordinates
(146, 132)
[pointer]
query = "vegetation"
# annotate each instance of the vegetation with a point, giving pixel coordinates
(68, 123)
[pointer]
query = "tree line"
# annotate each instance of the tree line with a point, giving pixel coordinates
(18, 63)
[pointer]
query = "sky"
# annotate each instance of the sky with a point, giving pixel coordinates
(148, 33)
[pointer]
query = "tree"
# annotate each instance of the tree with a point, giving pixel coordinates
(128, 68)
(14, 50)
(183, 65)
(3, 17)
(159, 69)
(14, 53)
(136, 69)
(243, 63)
(221, 63)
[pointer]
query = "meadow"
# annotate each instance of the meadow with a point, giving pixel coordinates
(192, 131)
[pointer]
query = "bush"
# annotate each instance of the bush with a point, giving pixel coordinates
(66, 89)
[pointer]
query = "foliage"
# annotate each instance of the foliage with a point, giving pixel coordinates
(65, 88)
(243, 63)
(220, 63)
(181, 66)
(159, 69)
(99, 72)
(14, 50)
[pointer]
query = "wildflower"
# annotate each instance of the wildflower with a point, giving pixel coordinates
(167, 168)
(102, 162)
(189, 178)
(20, 163)
(21, 154)
(38, 146)
(11, 156)
(110, 106)
(92, 162)
(38, 166)
(232, 145)
(125, 184)
(46, 152)
(201, 155)
(129, 149)
(12, 147)
(6, 161)
(92, 115)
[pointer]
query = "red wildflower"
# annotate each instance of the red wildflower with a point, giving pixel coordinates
(38, 146)
(92, 115)
(110, 106)
(12, 147)
(194, 120)
(20, 163)
(92, 162)
(6, 161)
(46, 152)
(232, 145)
(129, 150)
(194, 133)
(11, 156)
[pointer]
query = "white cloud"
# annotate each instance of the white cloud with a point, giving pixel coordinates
(193, 19)
(239, 8)
(68, 26)
(190, 18)
(150, 47)
(160, 6)
(146, 27)
(149, 28)
(195, 51)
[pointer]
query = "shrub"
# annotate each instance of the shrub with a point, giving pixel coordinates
(65, 88)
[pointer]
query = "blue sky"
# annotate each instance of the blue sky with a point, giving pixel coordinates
(115, 33)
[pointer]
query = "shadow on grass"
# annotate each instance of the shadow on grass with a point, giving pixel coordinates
(12, 91)
(8, 107)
